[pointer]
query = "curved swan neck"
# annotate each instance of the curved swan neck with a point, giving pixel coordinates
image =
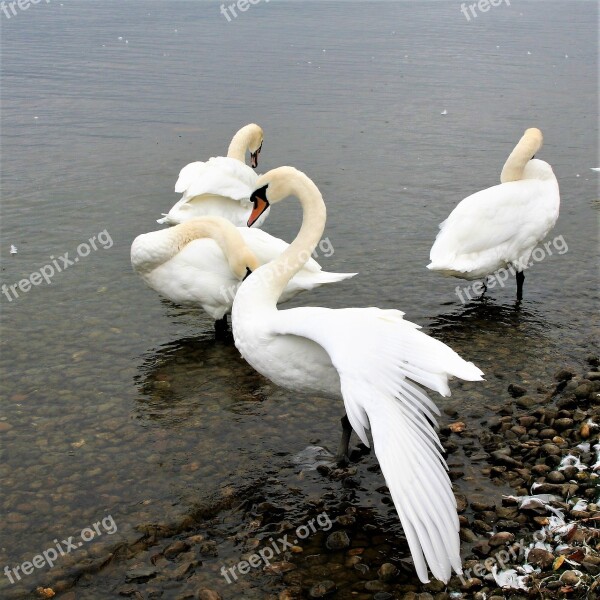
(241, 142)
(523, 152)
(276, 274)
(225, 234)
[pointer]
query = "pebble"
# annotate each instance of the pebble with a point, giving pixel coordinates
(540, 557)
(322, 589)
(502, 538)
(338, 540)
(570, 578)
(387, 572)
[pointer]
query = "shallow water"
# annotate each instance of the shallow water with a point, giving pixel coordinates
(116, 403)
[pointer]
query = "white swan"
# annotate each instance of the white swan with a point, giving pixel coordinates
(201, 263)
(222, 185)
(371, 358)
(500, 226)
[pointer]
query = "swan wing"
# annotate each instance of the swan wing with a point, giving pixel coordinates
(219, 176)
(380, 359)
(507, 219)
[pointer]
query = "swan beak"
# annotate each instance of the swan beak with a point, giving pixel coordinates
(248, 273)
(260, 205)
(254, 157)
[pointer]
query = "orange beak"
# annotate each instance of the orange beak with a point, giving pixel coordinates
(260, 205)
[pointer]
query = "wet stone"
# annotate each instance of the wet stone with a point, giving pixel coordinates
(540, 557)
(501, 538)
(387, 572)
(516, 391)
(338, 540)
(322, 589)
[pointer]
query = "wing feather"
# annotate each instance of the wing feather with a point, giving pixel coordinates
(380, 358)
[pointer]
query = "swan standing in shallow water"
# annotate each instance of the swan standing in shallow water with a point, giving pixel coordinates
(222, 185)
(371, 358)
(201, 263)
(500, 226)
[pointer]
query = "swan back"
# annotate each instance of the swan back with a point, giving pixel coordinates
(153, 249)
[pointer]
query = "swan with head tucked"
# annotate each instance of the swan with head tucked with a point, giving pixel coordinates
(222, 185)
(499, 227)
(371, 358)
(201, 263)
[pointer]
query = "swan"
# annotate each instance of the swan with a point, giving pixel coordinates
(202, 261)
(500, 226)
(371, 358)
(222, 185)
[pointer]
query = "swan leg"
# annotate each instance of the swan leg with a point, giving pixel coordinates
(520, 280)
(221, 327)
(342, 453)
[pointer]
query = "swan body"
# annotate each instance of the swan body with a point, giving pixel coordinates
(222, 185)
(201, 263)
(372, 359)
(501, 225)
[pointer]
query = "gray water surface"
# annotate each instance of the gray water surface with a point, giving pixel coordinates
(117, 403)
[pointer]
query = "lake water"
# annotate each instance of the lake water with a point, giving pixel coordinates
(116, 403)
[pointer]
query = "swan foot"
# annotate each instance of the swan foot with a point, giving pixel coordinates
(520, 280)
(221, 328)
(342, 457)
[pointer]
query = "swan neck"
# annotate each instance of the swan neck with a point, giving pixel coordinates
(240, 143)
(515, 164)
(277, 274)
(225, 235)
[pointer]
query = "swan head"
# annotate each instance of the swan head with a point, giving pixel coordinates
(250, 137)
(272, 187)
(242, 263)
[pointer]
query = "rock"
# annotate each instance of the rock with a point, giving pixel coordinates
(322, 589)
(526, 402)
(583, 390)
(563, 375)
(593, 376)
(481, 526)
(338, 540)
(502, 538)
(516, 391)
(570, 578)
(375, 586)
(206, 594)
(540, 558)
(555, 477)
(140, 574)
(387, 572)
(461, 503)
(593, 360)
(547, 434)
(501, 458)
(176, 548)
(482, 506)
(457, 427)
(466, 535)
(4, 426)
(563, 423)
(550, 449)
